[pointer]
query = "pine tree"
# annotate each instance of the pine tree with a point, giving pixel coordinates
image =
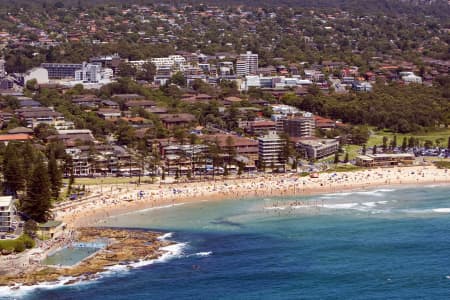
(336, 157)
(394, 142)
(37, 202)
(410, 142)
(55, 175)
(385, 140)
(13, 172)
(404, 144)
(29, 156)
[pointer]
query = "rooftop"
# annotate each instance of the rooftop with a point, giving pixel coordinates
(5, 201)
(50, 224)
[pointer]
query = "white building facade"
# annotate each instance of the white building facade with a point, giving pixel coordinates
(270, 150)
(7, 211)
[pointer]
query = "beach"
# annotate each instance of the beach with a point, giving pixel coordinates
(270, 195)
(105, 202)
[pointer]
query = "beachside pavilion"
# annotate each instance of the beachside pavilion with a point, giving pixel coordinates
(385, 159)
(50, 229)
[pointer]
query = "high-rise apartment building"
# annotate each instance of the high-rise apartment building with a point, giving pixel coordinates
(270, 150)
(299, 126)
(247, 64)
(2, 68)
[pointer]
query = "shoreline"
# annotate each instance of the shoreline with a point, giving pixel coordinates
(120, 202)
(88, 214)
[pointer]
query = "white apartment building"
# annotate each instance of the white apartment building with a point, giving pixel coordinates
(270, 150)
(411, 78)
(242, 68)
(172, 61)
(279, 82)
(93, 73)
(251, 60)
(247, 64)
(2, 68)
(6, 213)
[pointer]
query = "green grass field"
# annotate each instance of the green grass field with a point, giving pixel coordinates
(377, 139)
(443, 134)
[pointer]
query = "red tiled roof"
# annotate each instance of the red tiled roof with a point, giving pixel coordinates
(15, 137)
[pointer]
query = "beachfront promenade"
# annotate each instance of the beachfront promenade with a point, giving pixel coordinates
(118, 199)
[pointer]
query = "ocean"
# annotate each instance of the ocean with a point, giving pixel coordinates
(376, 244)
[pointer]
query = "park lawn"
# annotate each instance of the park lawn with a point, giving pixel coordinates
(352, 151)
(377, 137)
(18, 245)
(344, 168)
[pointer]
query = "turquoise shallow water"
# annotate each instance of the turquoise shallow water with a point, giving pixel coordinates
(378, 244)
(70, 256)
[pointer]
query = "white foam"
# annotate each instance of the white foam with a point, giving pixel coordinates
(341, 205)
(442, 210)
(153, 208)
(170, 252)
(275, 207)
(19, 290)
(165, 236)
(203, 254)
(378, 192)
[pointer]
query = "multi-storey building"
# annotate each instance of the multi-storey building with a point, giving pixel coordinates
(299, 126)
(61, 71)
(270, 150)
(242, 68)
(251, 60)
(109, 61)
(173, 61)
(2, 68)
(316, 148)
(6, 213)
(93, 73)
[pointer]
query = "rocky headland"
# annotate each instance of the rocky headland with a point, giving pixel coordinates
(123, 247)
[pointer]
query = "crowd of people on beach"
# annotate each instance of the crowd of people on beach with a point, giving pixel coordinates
(100, 203)
(123, 198)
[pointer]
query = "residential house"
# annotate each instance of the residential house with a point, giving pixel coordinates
(109, 113)
(34, 116)
(139, 104)
(177, 120)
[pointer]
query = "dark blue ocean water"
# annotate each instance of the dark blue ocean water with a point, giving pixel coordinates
(379, 244)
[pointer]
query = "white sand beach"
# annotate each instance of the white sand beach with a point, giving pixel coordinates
(107, 201)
